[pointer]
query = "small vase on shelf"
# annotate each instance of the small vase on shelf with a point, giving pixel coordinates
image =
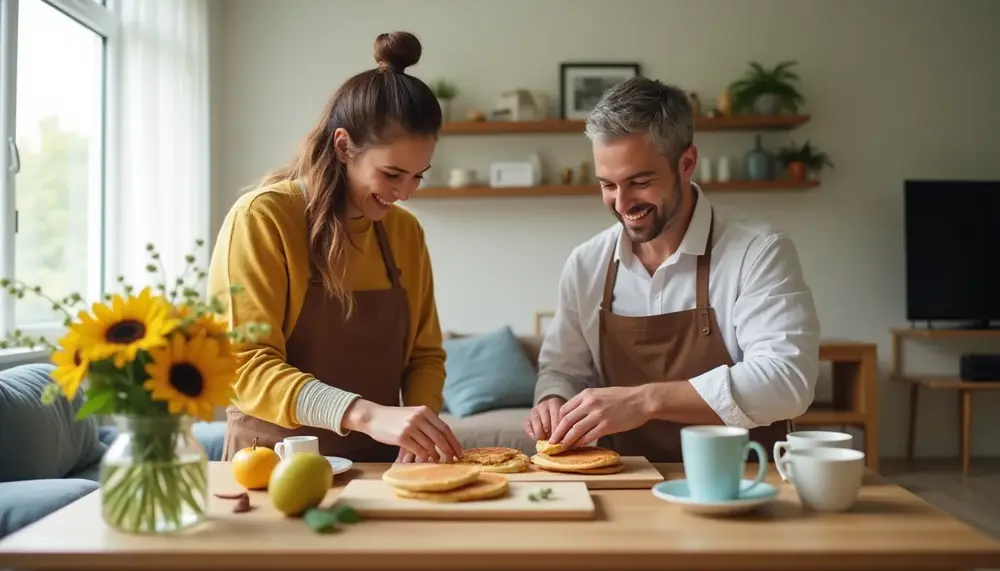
(758, 164)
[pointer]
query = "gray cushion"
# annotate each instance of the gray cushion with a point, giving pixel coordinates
(23, 503)
(40, 441)
(503, 427)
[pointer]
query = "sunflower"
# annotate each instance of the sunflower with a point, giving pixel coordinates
(192, 376)
(71, 366)
(125, 327)
(207, 323)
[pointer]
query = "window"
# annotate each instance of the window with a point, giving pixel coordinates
(53, 126)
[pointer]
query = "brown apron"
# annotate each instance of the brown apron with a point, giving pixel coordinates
(363, 355)
(671, 346)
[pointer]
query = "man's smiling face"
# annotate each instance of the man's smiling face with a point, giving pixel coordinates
(640, 185)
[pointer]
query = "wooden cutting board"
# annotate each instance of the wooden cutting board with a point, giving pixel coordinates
(568, 501)
(639, 473)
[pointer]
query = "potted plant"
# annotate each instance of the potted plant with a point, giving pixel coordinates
(154, 361)
(767, 92)
(445, 91)
(799, 160)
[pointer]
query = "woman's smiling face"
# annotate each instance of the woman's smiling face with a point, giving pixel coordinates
(383, 173)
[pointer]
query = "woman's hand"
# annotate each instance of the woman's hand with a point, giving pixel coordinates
(415, 429)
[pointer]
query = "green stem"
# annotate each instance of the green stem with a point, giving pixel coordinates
(157, 491)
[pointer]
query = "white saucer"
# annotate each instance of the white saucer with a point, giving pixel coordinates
(676, 491)
(339, 465)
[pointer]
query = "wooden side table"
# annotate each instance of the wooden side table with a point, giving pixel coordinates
(964, 389)
(854, 377)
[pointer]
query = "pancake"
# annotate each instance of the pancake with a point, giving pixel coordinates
(582, 458)
(498, 459)
(430, 477)
(544, 447)
(603, 470)
(488, 486)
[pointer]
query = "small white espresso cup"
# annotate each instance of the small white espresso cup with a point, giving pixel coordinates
(825, 479)
(296, 444)
(810, 439)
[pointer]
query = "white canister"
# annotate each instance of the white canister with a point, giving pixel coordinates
(461, 177)
(706, 169)
(723, 172)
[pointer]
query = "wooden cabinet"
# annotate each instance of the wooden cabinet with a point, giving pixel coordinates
(964, 389)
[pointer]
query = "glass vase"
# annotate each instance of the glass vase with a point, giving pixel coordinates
(154, 476)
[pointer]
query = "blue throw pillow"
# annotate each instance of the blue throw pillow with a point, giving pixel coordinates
(39, 441)
(24, 503)
(487, 372)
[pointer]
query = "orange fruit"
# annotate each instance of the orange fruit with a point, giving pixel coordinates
(252, 466)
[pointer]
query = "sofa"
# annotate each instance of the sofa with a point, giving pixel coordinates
(49, 459)
(489, 388)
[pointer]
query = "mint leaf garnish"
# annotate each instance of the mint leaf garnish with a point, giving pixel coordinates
(320, 520)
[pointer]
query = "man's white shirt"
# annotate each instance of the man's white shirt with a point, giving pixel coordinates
(764, 308)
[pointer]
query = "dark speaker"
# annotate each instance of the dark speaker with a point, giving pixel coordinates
(979, 367)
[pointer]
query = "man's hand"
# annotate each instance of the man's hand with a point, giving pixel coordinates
(599, 412)
(544, 417)
(407, 457)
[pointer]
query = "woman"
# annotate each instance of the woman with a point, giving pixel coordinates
(343, 277)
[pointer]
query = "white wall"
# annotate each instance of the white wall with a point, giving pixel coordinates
(897, 89)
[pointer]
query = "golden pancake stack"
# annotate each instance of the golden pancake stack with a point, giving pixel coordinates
(444, 482)
(498, 459)
(582, 460)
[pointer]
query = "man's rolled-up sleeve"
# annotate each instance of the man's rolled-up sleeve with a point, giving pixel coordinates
(778, 330)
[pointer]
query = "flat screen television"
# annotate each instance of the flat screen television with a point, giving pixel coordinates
(952, 234)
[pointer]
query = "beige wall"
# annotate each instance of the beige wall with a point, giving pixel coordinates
(897, 89)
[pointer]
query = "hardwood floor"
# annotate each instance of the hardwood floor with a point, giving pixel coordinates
(974, 499)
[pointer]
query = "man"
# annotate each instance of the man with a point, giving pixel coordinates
(678, 314)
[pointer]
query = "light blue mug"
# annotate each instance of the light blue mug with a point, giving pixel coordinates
(714, 461)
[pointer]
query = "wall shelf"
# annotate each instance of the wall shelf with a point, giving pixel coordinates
(702, 123)
(592, 189)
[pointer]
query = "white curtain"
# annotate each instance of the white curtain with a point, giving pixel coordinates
(159, 183)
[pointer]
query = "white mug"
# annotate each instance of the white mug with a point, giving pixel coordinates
(295, 445)
(825, 479)
(810, 439)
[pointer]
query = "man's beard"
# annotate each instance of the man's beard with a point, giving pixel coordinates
(656, 221)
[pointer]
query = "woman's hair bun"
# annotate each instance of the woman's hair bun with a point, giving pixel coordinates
(397, 51)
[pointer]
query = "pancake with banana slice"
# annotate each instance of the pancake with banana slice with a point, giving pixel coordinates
(546, 447)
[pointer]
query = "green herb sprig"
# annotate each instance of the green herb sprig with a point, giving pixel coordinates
(543, 494)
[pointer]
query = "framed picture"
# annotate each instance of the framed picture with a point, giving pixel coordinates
(582, 84)
(542, 321)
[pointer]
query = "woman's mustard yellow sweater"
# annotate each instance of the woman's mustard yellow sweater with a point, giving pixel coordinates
(262, 247)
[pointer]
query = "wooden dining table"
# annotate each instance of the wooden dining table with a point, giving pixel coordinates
(888, 528)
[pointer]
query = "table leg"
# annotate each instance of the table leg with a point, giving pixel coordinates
(871, 448)
(966, 415)
(914, 400)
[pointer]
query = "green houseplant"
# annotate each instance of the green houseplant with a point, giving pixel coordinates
(445, 91)
(767, 92)
(800, 159)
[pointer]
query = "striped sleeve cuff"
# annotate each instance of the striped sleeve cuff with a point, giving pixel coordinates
(323, 406)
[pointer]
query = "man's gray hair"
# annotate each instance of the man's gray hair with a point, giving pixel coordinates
(642, 105)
